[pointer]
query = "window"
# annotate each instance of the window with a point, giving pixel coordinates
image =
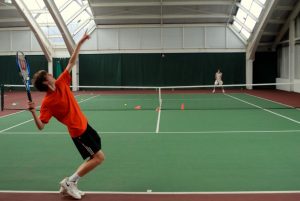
(76, 14)
(247, 16)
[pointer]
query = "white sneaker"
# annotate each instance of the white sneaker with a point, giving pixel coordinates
(69, 188)
(64, 192)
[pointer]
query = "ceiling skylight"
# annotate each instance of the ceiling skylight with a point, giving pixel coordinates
(247, 16)
(76, 14)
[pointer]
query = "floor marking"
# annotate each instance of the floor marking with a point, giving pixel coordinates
(158, 117)
(12, 114)
(164, 193)
(271, 101)
(88, 99)
(1, 131)
(162, 132)
(285, 117)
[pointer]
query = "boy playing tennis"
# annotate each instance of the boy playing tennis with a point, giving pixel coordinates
(59, 102)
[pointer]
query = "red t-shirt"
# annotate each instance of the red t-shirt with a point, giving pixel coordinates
(62, 105)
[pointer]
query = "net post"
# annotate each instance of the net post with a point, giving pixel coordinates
(2, 96)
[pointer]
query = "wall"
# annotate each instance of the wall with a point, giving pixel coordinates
(179, 41)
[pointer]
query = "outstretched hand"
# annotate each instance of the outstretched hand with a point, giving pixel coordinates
(85, 37)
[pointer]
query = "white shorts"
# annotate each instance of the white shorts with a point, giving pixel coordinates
(218, 82)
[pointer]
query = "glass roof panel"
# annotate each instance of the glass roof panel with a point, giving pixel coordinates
(72, 9)
(247, 14)
(44, 18)
(76, 14)
(246, 4)
(237, 26)
(262, 1)
(255, 9)
(250, 23)
(241, 15)
(245, 33)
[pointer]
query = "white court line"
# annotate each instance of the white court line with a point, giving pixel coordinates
(164, 193)
(1, 131)
(285, 117)
(12, 114)
(168, 132)
(270, 100)
(158, 117)
(38, 107)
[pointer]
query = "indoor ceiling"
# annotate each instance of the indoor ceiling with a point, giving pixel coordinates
(164, 12)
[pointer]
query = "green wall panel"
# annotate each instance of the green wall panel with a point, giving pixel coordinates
(175, 69)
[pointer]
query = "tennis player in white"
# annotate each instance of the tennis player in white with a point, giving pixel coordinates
(218, 81)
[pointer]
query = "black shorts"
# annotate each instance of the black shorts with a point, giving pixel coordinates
(88, 143)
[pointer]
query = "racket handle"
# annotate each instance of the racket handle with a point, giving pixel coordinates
(29, 96)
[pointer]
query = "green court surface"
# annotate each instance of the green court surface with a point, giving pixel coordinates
(247, 144)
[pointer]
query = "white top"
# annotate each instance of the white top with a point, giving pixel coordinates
(218, 76)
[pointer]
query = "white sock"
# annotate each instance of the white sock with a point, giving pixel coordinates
(74, 178)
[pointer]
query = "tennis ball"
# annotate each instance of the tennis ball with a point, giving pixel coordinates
(125, 104)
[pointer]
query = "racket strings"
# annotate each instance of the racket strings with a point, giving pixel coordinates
(23, 66)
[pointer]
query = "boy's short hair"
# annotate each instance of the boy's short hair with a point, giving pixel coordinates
(38, 79)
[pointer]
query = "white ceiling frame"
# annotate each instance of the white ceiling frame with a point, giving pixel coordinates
(11, 20)
(285, 27)
(35, 28)
(259, 3)
(233, 6)
(269, 33)
(285, 8)
(7, 8)
(259, 29)
(276, 21)
(240, 36)
(116, 17)
(242, 24)
(76, 14)
(55, 13)
(247, 12)
(175, 3)
(65, 5)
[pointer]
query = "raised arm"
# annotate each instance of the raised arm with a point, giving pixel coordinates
(74, 56)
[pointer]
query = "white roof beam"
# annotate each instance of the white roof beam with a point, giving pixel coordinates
(61, 25)
(116, 17)
(276, 21)
(169, 3)
(7, 8)
(39, 34)
(269, 33)
(11, 20)
(285, 27)
(285, 8)
(261, 25)
(259, 3)
(65, 5)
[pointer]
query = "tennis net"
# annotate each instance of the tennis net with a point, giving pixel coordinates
(261, 96)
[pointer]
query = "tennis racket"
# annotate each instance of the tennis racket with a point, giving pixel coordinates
(24, 71)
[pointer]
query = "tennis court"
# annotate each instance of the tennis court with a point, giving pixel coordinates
(189, 144)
